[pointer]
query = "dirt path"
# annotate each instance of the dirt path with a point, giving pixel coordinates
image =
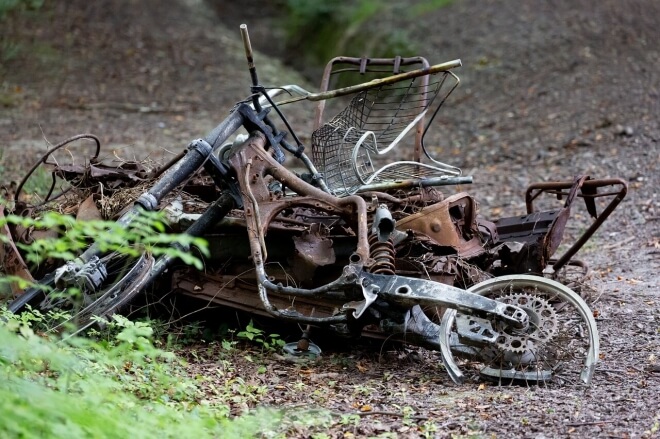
(548, 91)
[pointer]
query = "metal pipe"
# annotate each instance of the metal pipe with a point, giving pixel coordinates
(424, 182)
(251, 67)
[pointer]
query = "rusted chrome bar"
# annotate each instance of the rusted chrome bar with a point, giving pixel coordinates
(556, 187)
(416, 182)
(383, 81)
(375, 83)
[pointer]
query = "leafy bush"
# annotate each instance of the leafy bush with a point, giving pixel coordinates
(323, 30)
(118, 384)
(145, 233)
(122, 387)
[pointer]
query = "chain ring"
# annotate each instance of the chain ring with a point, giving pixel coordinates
(542, 324)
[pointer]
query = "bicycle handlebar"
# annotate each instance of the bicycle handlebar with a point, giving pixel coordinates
(224, 130)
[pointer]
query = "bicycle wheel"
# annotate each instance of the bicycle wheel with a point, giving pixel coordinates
(125, 275)
(559, 347)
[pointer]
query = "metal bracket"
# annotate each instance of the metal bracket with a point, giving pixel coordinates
(254, 121)
(370, 293)
(408, 292)
(205, 149)
(87, 276)
(220, 172)
(474, 330)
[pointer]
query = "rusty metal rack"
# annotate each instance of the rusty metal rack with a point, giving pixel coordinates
(588, 190)
(541, 231)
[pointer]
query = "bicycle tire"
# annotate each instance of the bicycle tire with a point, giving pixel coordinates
(32, 295)
(125, 276)
(559, 348)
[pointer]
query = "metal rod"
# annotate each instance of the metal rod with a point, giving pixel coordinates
(251, 66)
(415, 182)
(375, 83)
(566, 257)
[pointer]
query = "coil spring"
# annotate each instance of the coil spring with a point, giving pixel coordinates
(383, 255)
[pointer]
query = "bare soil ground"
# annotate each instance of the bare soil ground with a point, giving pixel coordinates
(549, 90)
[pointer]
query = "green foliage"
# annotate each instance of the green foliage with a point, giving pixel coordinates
(118, 383)
(269, 342)
(323, 30)
(11, 279)
(9, 48)
(145, 233)
(16, 6)
(39, 183)
(427, 6)
(120, 387)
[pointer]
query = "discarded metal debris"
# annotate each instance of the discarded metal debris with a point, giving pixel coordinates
(357, 244)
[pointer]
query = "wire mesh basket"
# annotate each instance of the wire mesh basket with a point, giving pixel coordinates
(355, 148)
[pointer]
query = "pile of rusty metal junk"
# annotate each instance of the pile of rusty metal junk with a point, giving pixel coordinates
(358, 244)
